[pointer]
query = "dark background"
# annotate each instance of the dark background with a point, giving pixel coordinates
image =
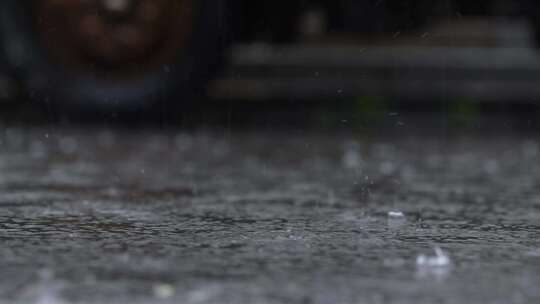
(371, 55)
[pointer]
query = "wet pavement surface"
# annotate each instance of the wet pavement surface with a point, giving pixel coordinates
(267, 217)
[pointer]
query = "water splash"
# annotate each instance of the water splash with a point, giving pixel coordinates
(440, 259)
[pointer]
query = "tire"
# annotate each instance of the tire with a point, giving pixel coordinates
(180, 78)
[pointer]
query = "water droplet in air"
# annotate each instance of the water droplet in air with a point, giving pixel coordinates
(163, 291)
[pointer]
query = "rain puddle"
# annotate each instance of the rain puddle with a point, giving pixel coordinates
(200, 218)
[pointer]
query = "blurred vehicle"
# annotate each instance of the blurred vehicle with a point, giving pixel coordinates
(111, 53)
(127, 54)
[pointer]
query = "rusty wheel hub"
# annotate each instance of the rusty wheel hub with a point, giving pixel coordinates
(114, 35)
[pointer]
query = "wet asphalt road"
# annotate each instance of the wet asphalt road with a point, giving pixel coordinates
(267, 217)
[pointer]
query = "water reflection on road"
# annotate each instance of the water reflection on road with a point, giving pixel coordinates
(197, 217)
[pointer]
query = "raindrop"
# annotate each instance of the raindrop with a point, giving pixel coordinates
(163, 291)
